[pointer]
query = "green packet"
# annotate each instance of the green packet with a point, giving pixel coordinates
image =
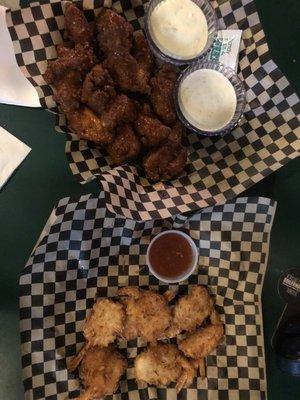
(226, 48)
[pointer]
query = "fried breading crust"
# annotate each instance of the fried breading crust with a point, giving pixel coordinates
(162, 91)
(101, 328)
(168, 160)
(190, 311)
(100, 372)
(104, 323)
(201, 343)
(121, 110)
(100, 129)
(147, 314)
(127, 73)
(125, 147)
(163, 364)
(115, 34)
(164, 163)
(68, 91)
(77, 26)
(81, 59)
(150, 130)
(98, 89)
(89, 126)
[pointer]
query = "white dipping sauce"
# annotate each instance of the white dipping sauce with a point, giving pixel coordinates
(179, 28)
(207, 99)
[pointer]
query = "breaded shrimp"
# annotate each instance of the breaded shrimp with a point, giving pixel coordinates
(147, 314)
(102, 327)
(163, 364)
(100, 372)
(190, 311)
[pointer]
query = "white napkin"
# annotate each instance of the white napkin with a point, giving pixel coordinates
(14, 88)
(12, 153)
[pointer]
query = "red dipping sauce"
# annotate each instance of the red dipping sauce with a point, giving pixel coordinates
(172, 256)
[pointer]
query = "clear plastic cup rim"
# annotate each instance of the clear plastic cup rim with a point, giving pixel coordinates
(237, 84)
(212, 20)
(191, 269)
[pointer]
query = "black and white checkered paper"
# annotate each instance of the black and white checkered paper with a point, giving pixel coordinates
(85, 251)
(218, 169)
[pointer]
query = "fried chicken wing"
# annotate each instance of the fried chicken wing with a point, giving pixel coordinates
(68, 91)
(77, 26)
(127, 73)
(100, 372)
(163, 364)
(63, 49)
(201, 343)
(115, 34)
(164, 163)
(132, 72)
(147, 314)
(145, 63)
(81, 59)
(175, 137)
(142, 53)
(162, 91)
(98, 89)
(125, 147)
(169, 159)
(150, 130)
(190, 311)
(121, 110)
(87, 125)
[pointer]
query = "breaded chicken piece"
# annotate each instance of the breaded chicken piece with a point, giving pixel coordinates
(145, 62)
(68, 91)
(98, 89)
(77, 26)
(165, 163)
(121, 110)
(150, 130)
(168, 160)
(100, 372)
(147, 314)
(177, 133)
(190, 311)
(163, 364)
(162, 91)
(125, 147)
(81, 59)
(89, 126)
(115, 34)
(201, 343)
(102, 327)
(132, 71)
(127, 73)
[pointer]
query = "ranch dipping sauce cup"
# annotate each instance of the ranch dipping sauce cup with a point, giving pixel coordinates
(180, 31)
(210, 98)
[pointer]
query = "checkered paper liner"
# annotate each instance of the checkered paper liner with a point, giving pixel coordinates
(85, 250)
(218, 169)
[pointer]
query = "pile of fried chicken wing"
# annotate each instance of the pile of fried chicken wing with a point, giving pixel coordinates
(106, 83)
(147, 314)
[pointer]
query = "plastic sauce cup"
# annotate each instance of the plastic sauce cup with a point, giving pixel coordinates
(170, 244)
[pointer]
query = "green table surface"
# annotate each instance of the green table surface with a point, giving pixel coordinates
(28, 198)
